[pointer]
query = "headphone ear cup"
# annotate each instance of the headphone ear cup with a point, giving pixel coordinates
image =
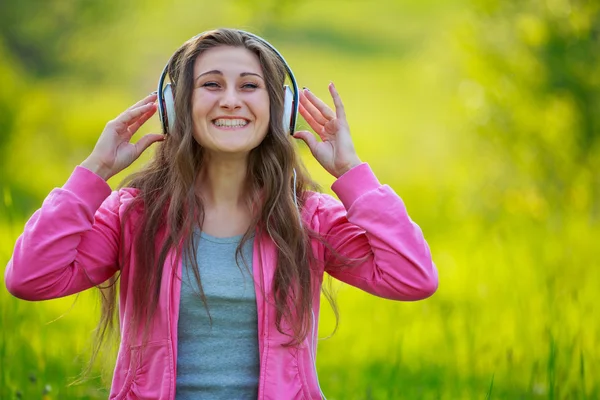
(169, 106)
(288, 109)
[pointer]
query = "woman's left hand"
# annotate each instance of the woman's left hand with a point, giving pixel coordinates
(335, 152)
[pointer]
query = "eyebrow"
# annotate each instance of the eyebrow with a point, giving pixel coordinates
(217, 72)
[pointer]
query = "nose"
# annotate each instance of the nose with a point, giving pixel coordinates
(230, 99)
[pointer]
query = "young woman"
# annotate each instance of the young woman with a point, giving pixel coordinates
(220, 243)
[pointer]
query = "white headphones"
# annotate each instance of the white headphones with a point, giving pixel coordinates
(166, 100)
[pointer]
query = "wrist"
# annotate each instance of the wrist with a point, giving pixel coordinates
(341, 171)
(96, 168)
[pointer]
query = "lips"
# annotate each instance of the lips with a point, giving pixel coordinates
(230, 123)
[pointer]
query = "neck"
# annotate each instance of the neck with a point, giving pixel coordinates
(221, 183)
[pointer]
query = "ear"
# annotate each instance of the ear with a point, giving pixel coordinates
(169, 106)
(288, 109)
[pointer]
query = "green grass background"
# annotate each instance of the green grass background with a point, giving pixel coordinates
(482, 115)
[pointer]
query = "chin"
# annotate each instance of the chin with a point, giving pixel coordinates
(232, 143)
(232, 147)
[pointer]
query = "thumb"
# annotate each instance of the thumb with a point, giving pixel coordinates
(146, 140)
(309, 139)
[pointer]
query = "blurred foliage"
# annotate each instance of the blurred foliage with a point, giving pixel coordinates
(38, 34)
(482, 114)
(535, 94)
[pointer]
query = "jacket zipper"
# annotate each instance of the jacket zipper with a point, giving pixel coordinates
(262, 312)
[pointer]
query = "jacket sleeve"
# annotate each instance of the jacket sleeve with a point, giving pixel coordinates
(70, 244)
(371, 224)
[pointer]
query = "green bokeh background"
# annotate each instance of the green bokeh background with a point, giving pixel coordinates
(483, 115)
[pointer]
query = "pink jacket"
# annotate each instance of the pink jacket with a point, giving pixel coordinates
(73, 243)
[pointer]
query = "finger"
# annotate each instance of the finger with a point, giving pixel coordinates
(340, 112)
(318, 128)
(310, 107)
(308, 138)
(130, 115)
(135, 120)
(323, 108)
(150, 98)
(141, 120)
(146, 140)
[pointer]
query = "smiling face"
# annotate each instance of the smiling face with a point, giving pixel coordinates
(230, 102)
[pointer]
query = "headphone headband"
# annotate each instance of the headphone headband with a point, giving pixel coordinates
(162, 108)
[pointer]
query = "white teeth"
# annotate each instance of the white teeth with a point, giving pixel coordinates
(230, 123)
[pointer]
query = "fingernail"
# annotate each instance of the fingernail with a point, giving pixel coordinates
(305, 88)
(155, 92)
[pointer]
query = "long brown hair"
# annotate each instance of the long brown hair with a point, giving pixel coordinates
(171, 208)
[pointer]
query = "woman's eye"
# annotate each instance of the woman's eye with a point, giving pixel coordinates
(249, 86)
(211, 85)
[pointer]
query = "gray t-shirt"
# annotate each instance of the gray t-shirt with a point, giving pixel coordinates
(219, 361)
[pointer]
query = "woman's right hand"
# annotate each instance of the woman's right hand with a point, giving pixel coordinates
(113, 151)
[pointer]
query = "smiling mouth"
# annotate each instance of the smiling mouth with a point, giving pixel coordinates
(230, 123)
